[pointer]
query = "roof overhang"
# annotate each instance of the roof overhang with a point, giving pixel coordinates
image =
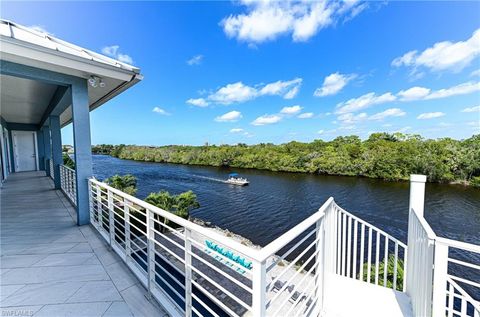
(22, 45)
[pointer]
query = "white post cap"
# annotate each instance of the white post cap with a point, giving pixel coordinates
(418, 178)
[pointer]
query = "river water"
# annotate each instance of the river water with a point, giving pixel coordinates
(275, 202)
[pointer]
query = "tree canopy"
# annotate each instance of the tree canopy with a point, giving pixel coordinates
(382, 155)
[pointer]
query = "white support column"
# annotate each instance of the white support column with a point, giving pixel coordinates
(417, 200)
(83, 150)
(259, 285)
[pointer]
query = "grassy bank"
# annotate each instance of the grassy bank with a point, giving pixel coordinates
(382, 155)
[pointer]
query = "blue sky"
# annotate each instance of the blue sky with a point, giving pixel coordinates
(229, 72)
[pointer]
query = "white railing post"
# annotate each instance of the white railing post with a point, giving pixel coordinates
(440, 279)
(259, 284)
(111, 221)
(320, 265)
(126, 217)
(188, 273)
(150, 253)
(99, 207)
(417, 193)
(417, 200)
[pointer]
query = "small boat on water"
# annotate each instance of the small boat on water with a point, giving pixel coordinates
(234, 179)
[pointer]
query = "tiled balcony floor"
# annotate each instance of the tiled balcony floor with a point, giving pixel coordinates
(51, 267)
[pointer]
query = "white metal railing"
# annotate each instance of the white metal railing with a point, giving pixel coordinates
(364, 252)
(52, 171)
(170, 257)
(420, 274)
(452, 294)
(197, 271)
(68, 183)
(434, 285)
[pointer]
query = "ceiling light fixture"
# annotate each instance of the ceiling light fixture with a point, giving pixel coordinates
(96, 81)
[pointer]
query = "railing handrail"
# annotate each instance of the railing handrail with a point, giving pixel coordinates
(226, 241)
(66, 167)
(366, 223)
(429, 231)
(459, 244)
(271, 248)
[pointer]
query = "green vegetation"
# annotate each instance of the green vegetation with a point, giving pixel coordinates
(126, 183)
(382, 155)
(390, 272)
(67, 161)
(180, 204)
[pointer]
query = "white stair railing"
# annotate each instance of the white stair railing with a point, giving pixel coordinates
(451, 292)
(68, 183)
(363, 251)
(442, 274)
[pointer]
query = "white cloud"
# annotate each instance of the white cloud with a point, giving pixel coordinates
(239, 92)
(320, 131)
(363, 102)
(305, 115)
(461, 89)
(199, 102)
(231, 116)
(236, 130)
(195, 60)
(333, 83)
(472, 109)
(430, 115)
(114, 52)
(475, 73)
(414, 93)
(291, 110)
(350, 118)
(411, 94)
(160, 111)
(443, 55)
(392, 112)
(267, 20)
(267, 119)
(287, 89)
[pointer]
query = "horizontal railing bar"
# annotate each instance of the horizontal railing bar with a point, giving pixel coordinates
(290, 250)
(276, 296)
(463, 263)
(463, 292)
(292, 263)
(214, 299)
(169, 251)
(204, 305)
(291, 234)
(459, 244)
(462, 280)
(168, 261)
(185, 223)
(231, 278)
(221, 288)
(178, 245)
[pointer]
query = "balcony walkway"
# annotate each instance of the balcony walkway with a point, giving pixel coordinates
(51, 267)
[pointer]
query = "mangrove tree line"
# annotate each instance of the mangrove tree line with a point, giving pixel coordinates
(382, 155)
